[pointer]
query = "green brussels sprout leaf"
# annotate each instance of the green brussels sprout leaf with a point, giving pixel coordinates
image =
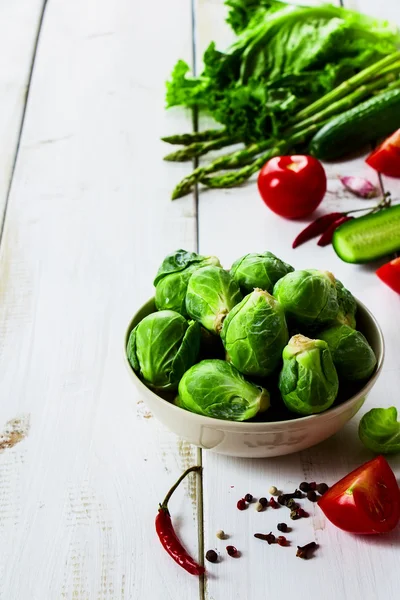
(379, 430)
(308, 297)
(214, 388)
(162, 347)
(173, 277)
(308, 381)
(211, 294)
(352, 355)
(254, 334)
(259, 271)
(347, 306)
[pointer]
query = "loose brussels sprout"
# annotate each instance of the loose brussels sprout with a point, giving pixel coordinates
(308, 381)
(379, 430)
(347, 306)
(211, 294)
(173, 276)
(308, 297)
(259, 271)
(162, 347)
(254, 334)
(352, 355)
(214, 388)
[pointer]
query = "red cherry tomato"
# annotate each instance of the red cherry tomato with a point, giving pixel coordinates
(292, 186)
(386, 158)
(390, 274)
(365, 501)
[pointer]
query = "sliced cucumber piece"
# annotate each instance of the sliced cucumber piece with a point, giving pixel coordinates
(370, 237)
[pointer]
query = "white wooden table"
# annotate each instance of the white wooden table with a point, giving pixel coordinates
(88, 219)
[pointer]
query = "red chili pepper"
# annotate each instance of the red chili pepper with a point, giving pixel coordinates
(316, 228)
(326, 237)
(168, 537)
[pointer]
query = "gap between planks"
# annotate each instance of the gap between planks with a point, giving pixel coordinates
(23, 115)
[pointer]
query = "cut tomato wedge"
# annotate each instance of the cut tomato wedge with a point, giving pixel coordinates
(390, 274)
(386, 158)
(366, 501)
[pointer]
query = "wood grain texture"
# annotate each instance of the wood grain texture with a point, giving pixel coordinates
(344, 566)
(19, 28)
(88, 222)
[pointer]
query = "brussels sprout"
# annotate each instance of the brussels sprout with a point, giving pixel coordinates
(379, 430)
(211, 294)
(352, 355)
(254, 334)
(173, 276)
(162, 347)
(308, 381)
(347, 306)
(259, 271)
(308, 297)
(214, 388)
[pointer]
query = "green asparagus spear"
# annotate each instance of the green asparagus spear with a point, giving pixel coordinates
(197, 136)
(349, 101)
(238, 177)
(348, 85)
(199, 148)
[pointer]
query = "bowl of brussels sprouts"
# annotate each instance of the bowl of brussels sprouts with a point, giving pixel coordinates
(260, 360)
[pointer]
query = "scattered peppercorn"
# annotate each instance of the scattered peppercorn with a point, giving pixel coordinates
(301, 512)
(273, 491)
(282, 527)
(304, 486)
(322, 488)
(267, 537)
(291, 504)
(313, 485)
(241, 504)
(259, 507)
(303, 551)
(211, 556)
(282, 541)
(248, 498)
(220, 534)
(231, 550)
(293, 515)
(311, 495)
(263, 502)
(284, 498)
(273, 503)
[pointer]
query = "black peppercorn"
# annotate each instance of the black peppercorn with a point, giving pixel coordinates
(211, 556)
(311, 495)
(263, 502)
(322, 488)
(282, 527)
(248, 498)
(304, 486)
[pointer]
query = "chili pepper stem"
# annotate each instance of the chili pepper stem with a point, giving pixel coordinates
(164, 504)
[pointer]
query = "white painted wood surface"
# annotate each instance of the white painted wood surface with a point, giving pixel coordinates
(88, 220)
(19, 25)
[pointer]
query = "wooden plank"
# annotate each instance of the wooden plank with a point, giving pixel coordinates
(19, 25)
(89, 221)
(232, 223)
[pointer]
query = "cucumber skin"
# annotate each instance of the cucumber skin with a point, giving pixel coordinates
(351, 130)
(365, 255)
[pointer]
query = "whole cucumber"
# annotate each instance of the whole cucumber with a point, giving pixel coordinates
(375, 118)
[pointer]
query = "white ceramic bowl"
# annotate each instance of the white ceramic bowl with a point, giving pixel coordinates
(257, 440)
